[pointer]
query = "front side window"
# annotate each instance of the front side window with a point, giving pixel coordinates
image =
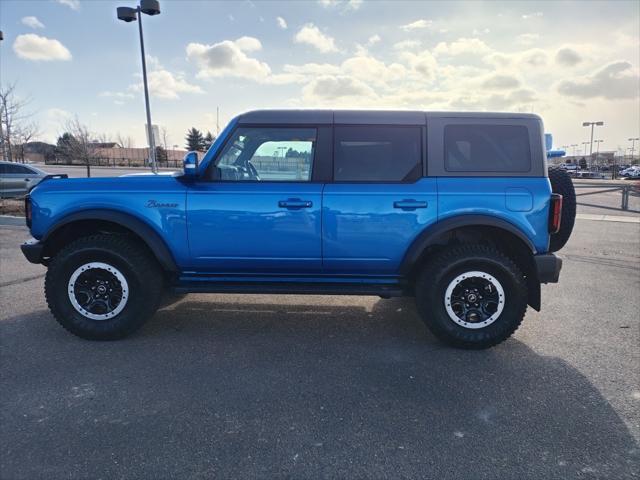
(487, 148)
(377, 154)
(268, 154)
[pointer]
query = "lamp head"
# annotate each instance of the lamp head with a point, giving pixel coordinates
(127, 14)
(150, 7)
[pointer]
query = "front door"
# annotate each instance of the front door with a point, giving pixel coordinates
(262, 214)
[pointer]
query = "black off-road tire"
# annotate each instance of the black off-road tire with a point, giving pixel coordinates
(141, 271)
(561, 183)
(448, 264)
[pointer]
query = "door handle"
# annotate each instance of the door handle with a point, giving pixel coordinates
(409, 204)
(295, 204)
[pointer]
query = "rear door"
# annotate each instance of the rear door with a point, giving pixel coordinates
(379, 200)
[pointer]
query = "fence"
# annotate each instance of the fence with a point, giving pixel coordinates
(625, 190)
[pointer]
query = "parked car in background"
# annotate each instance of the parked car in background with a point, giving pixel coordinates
(568, 166)
(632, 172)
(16, 179)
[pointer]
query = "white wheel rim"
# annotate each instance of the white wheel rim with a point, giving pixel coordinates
(71, 290)
(484, 322)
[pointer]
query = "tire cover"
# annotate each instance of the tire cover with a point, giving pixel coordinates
(561, 183)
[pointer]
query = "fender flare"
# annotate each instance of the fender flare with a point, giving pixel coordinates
(428, 236)
(147, 234)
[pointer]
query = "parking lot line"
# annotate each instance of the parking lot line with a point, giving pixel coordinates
(607, 218)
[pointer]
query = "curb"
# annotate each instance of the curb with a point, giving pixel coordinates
(11, 220)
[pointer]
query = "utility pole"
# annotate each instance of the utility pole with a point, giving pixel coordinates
(597, 142)
(633, 144)
(591, 124)
(217, 122)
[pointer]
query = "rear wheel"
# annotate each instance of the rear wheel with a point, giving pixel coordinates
(103, 287)
(471, 296)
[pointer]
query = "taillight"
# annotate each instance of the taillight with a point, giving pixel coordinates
(555, 213)
(27, 210)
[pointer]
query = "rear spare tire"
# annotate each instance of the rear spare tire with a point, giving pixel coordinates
(561, 183)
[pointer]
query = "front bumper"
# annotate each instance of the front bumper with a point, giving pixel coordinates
(548, 267)
(32, 249)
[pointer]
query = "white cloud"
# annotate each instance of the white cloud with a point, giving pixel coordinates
(311, 35)
(32, 22)
(34, 47)
(344, 5)
(423, 64)
(248, 44)
(336, 88)
(527, 16)
(167, 85)
(373, 39)
(527, 38)
(119, 96)
(417, 25)
(618, 80)
(228, 58)
(462, 46)
(500, 82)
(568, 57)
(282, 23)
(72, 4)
(406, 45)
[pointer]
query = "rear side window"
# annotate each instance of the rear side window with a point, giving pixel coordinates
(17, 170)
(487, 148)
(377, 154)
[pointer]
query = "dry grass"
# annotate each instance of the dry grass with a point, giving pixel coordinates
(12, 206)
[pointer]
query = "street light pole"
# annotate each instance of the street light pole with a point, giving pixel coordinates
(127, 14)
(592, 124)
(574, 145)
(596, 160)
(633, 144)
(152, 143)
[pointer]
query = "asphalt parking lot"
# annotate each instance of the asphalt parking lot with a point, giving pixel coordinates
(232, 386)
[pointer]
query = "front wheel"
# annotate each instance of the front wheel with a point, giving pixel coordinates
(103, 287)
(471, 296)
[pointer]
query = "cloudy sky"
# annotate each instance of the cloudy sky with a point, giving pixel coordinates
(568, 62)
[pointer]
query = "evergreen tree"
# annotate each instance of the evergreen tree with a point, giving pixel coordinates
(195, 140)
(161, 155)
(209, 138)
(66, 146)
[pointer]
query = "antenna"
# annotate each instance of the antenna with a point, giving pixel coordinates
(217, 121)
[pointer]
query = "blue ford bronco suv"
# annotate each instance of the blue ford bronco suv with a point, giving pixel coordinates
(458, 210)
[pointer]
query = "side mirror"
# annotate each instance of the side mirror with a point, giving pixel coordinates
(190, 164)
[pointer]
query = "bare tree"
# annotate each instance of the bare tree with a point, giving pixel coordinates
(22, 134)
(103, 138)
(165, 137)
(76, 143)
(12, 113)
(124, 142)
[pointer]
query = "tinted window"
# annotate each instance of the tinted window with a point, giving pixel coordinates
(268, 154)
(487, 148)
(17, 169)
(377, 154)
